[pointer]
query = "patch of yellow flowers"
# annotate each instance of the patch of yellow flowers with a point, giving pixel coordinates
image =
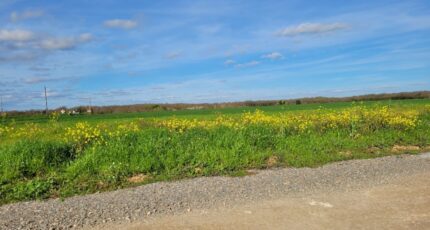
(121, 129)
(367, 118)
(13, 131)
(83, 134)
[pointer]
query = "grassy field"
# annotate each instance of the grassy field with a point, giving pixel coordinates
(211, 113)
(58, 156)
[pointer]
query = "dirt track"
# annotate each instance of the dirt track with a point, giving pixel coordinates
(401, 204)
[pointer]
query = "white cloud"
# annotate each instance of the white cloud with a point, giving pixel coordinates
(24, 46)
(65, 43)
(35, 80)
(28, 14)
(229, 62)
(85, 37)
(173, 55)
(17, 57)
(53, 93)
(58, 43)
(247, 64)
(311, 28)
(39, 69)
(273, 56)
(16, 35)
(209, 29)
(120, 23)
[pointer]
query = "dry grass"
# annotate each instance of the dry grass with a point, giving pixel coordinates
(139, 178)
(403, 148)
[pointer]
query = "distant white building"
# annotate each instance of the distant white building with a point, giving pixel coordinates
(195, 107)
(63, 111)
(73, 112)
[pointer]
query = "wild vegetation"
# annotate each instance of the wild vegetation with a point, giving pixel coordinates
(64, 155)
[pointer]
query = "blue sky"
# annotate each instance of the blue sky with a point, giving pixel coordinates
(126, 52)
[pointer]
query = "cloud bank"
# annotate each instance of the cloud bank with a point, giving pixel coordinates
(65, 43)
(16, 35)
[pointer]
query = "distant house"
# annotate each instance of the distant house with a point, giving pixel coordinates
(73, 112)
(62, 111)
(195, 107)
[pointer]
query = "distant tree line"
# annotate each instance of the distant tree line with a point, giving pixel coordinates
(183, 106)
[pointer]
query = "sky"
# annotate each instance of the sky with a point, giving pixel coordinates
(188, 51)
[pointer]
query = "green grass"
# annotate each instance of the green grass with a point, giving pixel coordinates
(48, 166)
(210, 113)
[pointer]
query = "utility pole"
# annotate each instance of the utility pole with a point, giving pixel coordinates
(46, 102)
(91, 107)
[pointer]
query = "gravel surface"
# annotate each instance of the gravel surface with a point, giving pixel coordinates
(142, 202)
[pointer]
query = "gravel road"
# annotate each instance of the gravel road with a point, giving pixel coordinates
(180, 197)
(403, 203)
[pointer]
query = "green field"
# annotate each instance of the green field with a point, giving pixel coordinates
(210, 113)
(58, 156)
